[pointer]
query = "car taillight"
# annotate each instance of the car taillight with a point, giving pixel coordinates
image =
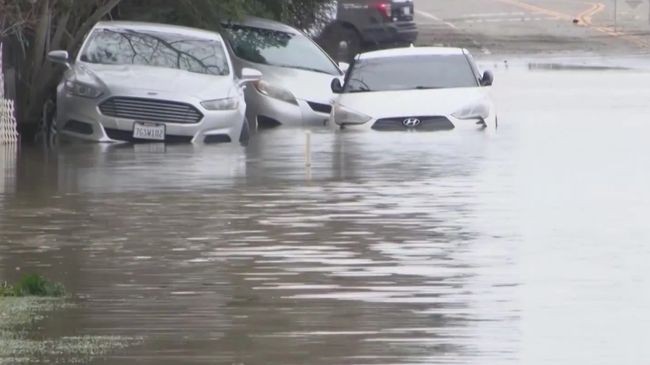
(385, 9)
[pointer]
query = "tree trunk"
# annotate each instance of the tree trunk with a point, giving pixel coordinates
(34, 86)
(40, 78)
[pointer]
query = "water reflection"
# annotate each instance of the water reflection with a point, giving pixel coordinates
(8, 155)
(402, 248)
(210, 250)
(113, 168)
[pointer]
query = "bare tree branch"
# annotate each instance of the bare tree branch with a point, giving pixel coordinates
(91, 21)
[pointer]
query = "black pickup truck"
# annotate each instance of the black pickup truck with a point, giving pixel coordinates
(367, 23)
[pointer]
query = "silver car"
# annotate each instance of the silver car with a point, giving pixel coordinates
(295, 87)
(151, 82)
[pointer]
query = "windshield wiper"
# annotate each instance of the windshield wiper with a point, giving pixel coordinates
(428, 87)
(304, 68)
(359, 91)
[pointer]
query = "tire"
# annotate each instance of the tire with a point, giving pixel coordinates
(52, 135)
(341, 33)
(47, 129)
(245, 135)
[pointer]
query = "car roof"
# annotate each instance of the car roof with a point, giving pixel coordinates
(156, 27)
(412, 51)
(262, 23)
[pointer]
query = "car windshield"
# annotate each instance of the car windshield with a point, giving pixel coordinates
(278, 48)
(411, 72)
(157, 49)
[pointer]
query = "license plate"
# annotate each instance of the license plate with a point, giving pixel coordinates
(407, 11)
(149, 131)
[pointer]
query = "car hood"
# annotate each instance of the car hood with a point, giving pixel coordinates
(156, 79)
(304, 84)
(392, 104)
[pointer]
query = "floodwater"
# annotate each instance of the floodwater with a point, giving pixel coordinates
(526, 247)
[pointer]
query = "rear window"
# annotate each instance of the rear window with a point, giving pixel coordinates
(276, 48)
(411, 72)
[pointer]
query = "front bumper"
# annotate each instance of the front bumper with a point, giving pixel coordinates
(427, 124)
(267, 112)
(81, 118)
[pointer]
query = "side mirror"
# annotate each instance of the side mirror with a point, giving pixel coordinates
(60, 57)
(337, 87)
(249, 75)
(487, 79)
(344, 67)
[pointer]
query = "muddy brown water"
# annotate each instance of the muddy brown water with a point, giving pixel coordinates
(529, 246)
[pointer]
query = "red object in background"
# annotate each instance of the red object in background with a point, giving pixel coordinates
(385, 9)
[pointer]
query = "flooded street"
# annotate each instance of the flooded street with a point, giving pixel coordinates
(529, 246)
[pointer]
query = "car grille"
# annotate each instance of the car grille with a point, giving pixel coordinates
(78, 127)
(320, 108)
(217, 138)
(150, 110)
(436, 123)
(265, 122)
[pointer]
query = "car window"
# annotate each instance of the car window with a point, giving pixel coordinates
(411, 72)
(277, 48)
(158, 49)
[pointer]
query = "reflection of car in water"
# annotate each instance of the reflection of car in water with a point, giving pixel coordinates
(295, 88)
(367, 22)
(108, 167)
(150, 82)
(414, 89)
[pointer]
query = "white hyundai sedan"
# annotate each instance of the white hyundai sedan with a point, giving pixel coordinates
(414, 89)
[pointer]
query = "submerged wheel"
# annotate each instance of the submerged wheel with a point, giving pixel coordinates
(52, 133)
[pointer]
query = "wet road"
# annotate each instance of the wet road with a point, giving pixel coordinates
(394, 248)
(537, 27)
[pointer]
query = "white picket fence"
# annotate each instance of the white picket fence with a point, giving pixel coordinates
(8, 132)
(8, 164)
(2, 76)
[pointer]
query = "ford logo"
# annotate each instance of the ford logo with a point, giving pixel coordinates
(411, 122)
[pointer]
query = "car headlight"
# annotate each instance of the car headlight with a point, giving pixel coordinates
(478, 110)
(343, 115)
(221, 104)
(276, 92)
(77, 88)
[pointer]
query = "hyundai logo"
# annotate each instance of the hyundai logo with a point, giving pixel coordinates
(411, 122)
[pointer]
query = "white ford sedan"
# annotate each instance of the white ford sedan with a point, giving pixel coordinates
(143, 82)
(417, 89)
